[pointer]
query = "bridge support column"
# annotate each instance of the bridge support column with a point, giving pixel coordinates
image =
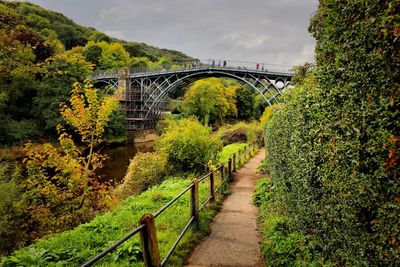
(124, 82)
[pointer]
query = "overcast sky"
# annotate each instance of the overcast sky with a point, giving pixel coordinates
(268, 31)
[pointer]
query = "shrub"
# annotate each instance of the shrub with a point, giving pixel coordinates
(240, 132)
(144, 171)
(188, 145)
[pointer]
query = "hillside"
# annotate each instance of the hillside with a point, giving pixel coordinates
(43, 53)
(71, 34)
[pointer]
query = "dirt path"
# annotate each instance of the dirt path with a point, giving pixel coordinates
(234, 240)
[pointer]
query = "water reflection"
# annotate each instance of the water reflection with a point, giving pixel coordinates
(116, 165)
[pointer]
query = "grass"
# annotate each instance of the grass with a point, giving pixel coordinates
(75, 247)
(280, 246)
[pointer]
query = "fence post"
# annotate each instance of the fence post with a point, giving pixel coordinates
(194, 203)
(234, 162)
(230, 168)
(148, 238)
(212, 190)
(244, 152)
(222, 173)
(240, 158)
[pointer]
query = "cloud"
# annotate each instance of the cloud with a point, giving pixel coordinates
(116, 34)
(256, 30)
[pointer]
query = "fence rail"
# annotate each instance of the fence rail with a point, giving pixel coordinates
(200, 64)
(147, 228)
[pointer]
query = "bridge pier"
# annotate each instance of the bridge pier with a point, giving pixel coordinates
(123, 81)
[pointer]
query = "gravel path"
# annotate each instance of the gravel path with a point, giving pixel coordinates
(234, 240)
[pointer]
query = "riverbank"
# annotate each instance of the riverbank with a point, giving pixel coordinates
(76, 246)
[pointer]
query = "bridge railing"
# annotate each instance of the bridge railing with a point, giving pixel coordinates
(147, 227)
(200, 64)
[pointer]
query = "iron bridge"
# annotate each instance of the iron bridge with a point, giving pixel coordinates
(146, 91)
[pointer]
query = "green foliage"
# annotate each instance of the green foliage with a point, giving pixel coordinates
(59, 73)
(267, 114)
(333, 150)
(228, 150)
(240, 132)
(116, 127)
(144, 171)
(43, 53)
(210, 100)
(188, 145)
(245, 102)
(281, 246)
(12, 216)
(112, 56)
(263, 192)
(73, 248)
(301, 72)
(259, 106)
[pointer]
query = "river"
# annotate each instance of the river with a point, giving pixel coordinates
(116, 165)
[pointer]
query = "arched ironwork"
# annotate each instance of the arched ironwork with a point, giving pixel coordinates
(146, 92)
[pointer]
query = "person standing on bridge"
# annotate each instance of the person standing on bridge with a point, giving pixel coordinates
(262, 67)
(224, 63)
(257, 66)
(213, 62)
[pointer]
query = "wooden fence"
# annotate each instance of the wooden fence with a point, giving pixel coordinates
(147, 228)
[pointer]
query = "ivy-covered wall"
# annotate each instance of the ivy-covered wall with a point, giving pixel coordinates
(333, 151)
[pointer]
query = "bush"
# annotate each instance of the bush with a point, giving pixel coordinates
(188, 145)
(334, 149)
(240, 132)
(281, 246)
(144, 171)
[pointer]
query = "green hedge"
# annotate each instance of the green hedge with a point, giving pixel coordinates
(333, 150)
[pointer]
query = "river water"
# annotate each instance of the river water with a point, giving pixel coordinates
(116, 165)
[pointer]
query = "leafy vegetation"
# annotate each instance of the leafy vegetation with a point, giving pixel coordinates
(281, 246)
(188, 145)
(228, 150)
(43, 54)
(333, 149)
(77, 246)
(59, 190)
(210, 100)
(240, 132)
(144, 171)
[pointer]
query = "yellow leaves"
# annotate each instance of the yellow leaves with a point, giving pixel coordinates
(391, 102)
(87, 113)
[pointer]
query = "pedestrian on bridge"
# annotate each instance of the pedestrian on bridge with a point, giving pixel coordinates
(224, 63)
(257, 66)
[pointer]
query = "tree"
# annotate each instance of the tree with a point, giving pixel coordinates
(245, 102)
(61, 187)
(209, 100)
(93, 54)
(89, 116)
(112, 55)
(59, 73)
(41, 50)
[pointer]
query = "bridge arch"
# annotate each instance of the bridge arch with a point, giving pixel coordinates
(146, 91)
(168, 87)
